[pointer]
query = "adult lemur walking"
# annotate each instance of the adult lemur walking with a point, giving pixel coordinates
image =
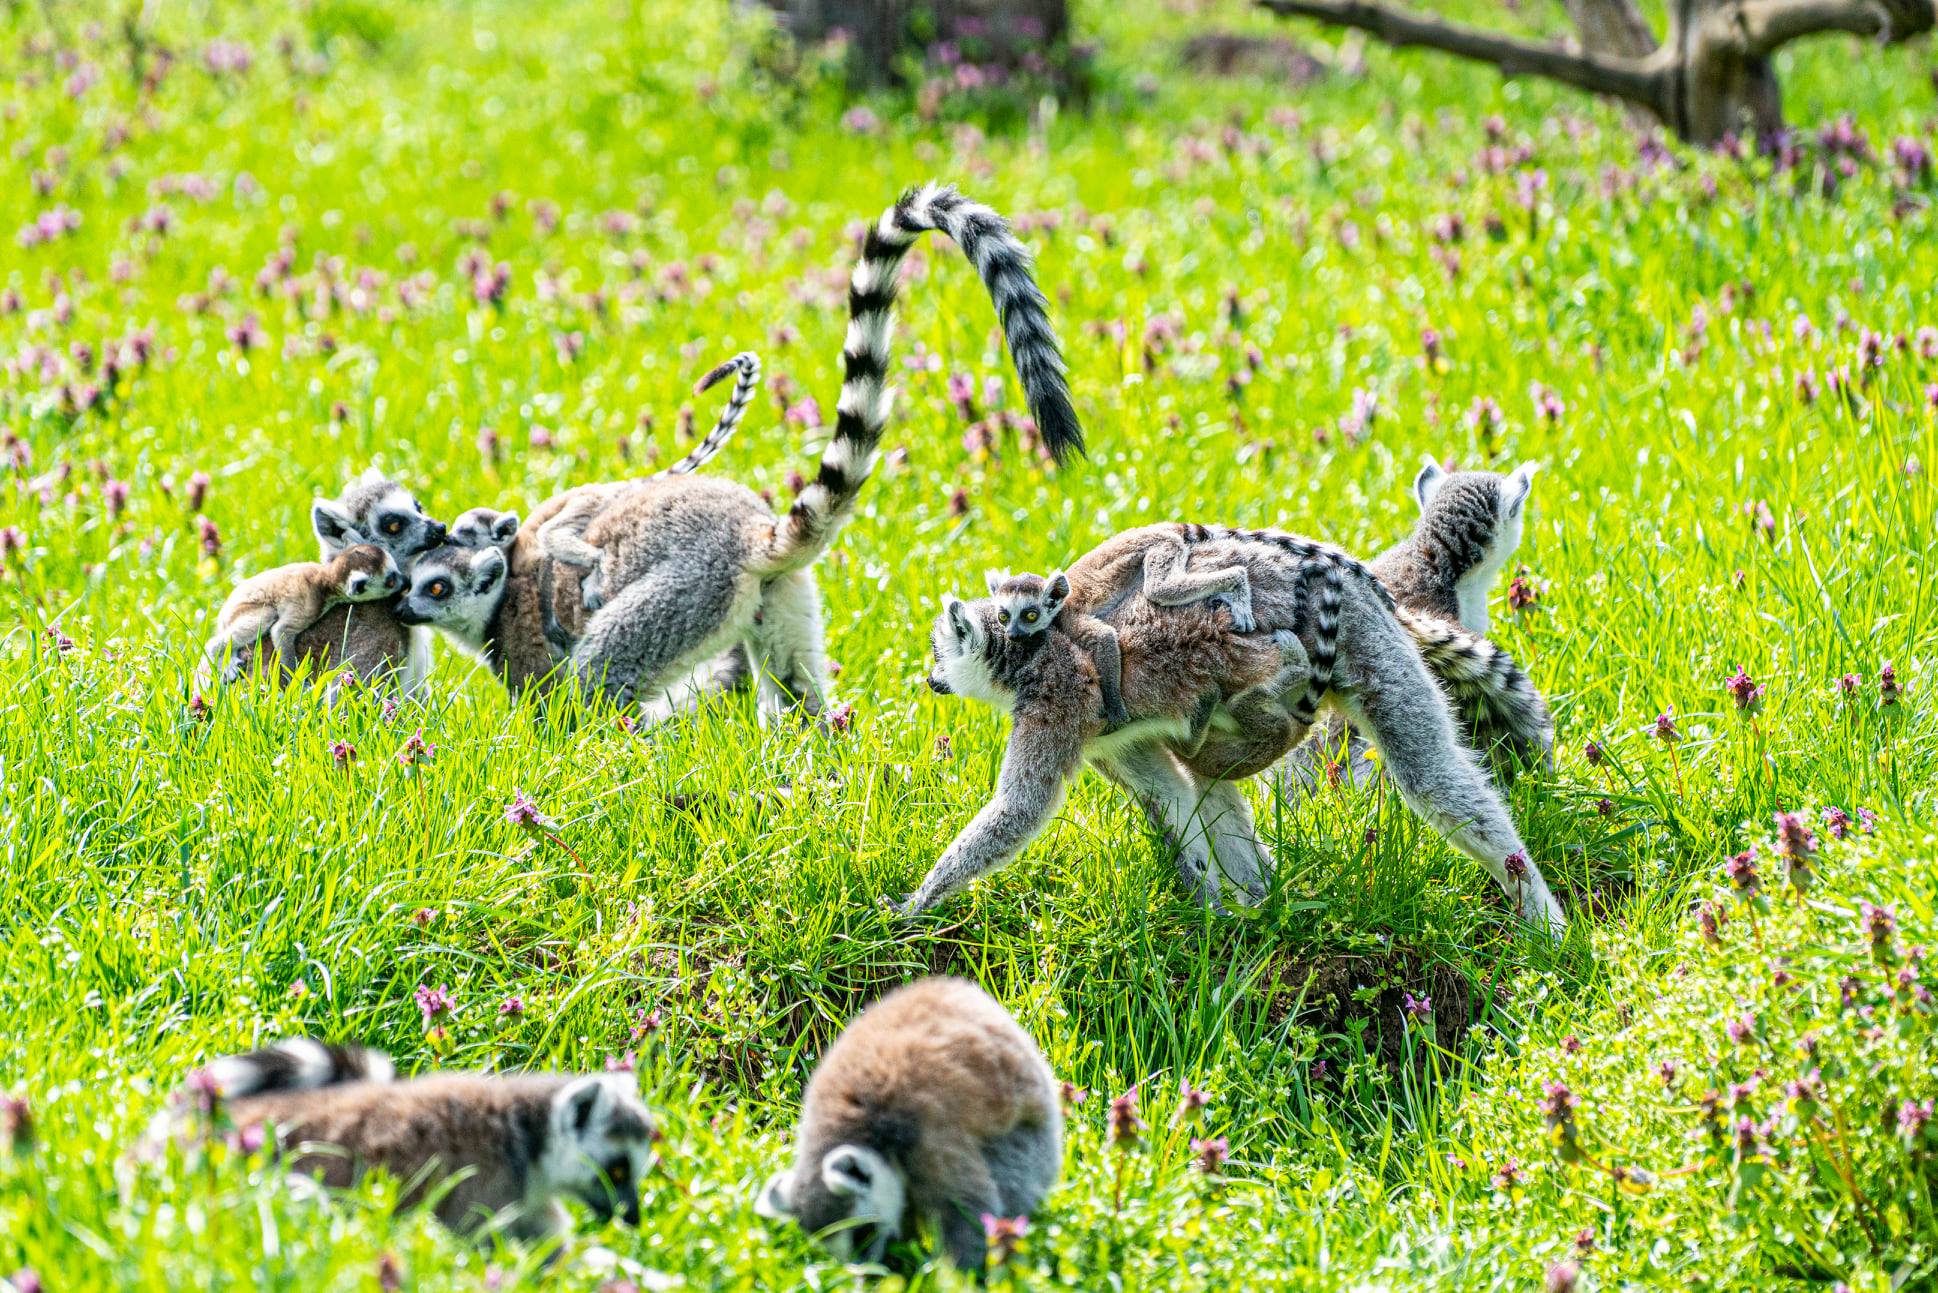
(1365, 655)
(693, 565)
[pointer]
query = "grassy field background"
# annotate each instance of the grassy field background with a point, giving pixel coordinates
(1274, 298)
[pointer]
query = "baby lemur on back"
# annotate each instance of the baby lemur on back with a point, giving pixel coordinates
(933, 1103)
(280, 603)
(509, 1147)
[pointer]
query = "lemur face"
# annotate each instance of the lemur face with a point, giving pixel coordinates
(960, 665)
(367, 573)
(484, 527)
(854, 1195)
(375, 509)
(1026, 604)
(600, 1145)
(455, 589)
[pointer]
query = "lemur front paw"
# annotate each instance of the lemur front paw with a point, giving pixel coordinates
(904, 909)
(1242, 619)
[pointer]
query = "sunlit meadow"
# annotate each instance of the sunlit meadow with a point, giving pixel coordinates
(249, 251)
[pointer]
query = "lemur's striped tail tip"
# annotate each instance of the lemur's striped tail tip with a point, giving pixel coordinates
(745, 361)
(297, 1064)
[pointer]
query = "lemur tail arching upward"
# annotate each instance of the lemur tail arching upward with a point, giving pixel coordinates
(695, 565)
(862, 412)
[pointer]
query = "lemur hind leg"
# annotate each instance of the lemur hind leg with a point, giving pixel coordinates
(1170, 802)
(1168, 583)
(787, 647)
(673, 615)
(1395, 701)
(1240, 861)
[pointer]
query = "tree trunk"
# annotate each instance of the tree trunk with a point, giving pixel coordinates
(1711, 78)
(879, 32)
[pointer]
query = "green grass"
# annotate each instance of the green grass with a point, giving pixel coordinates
(181, 887)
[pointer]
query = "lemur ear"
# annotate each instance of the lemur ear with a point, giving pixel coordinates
(574, 1108)
(773, 1202)
(992, 580)
(1425, 485)
(333, 525)
(490, 567)
(1514, 494)
(1059, 587)
(505, 529)
(371, 476)
(961, 623)
(847, 1172)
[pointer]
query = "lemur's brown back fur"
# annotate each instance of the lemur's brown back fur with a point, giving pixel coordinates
(938, 1063)
(449, 1122)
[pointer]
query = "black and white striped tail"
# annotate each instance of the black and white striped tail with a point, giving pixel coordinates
(747, 364)
(297, 1064)
(1323, 572)
(862, 412)
(1496, 700)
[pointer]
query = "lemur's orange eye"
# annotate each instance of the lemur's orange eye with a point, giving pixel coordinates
(438, 588)
(393, 525)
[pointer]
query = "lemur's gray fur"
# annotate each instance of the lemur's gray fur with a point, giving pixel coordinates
(485, 527)
(695, 564)
(1379, 679)
(934, 1103)
(1470, 526)
(497, 1152)
(562, 535)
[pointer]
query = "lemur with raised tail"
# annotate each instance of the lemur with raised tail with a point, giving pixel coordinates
(932, 1104)
(366, 638)
(278, 604)
(1470, 527)
(1361, 652)
(694, 565)
(496, 1152)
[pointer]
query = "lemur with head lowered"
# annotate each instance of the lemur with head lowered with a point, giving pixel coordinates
(933, 1103)
(367, 638)
(278, 604)
(1360, 650)
(695, 565)
(1470, 526)
(496, 1152)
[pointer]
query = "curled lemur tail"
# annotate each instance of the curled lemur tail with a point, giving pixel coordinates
(747, 364)
(1488, 687)
(1323, 572)
(298, 1064)
(985, 238)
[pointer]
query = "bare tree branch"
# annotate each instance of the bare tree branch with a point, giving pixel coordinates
(1765, 25)
(1637, 81)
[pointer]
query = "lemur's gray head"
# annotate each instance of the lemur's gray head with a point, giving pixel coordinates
(365, 573)
(484, 527)
(959, 650)
(1026, 604)
(373, 508)
(598, 1145)
(1475, 515)
(853, 1196)
(456, 590)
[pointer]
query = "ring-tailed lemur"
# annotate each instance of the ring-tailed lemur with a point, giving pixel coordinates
(933, 1103)
(695, 565)
(1470, 526)
(561, 537)
(280, 603)
(1358, 648)
(1027, 604)
(367, 638)
(485, 527)
(495, 1151)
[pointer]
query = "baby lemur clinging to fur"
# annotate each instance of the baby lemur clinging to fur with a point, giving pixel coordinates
(280, 603)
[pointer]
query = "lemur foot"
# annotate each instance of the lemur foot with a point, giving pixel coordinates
(1242, 619)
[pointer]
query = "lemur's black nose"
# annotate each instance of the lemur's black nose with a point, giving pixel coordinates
(1018, 631)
